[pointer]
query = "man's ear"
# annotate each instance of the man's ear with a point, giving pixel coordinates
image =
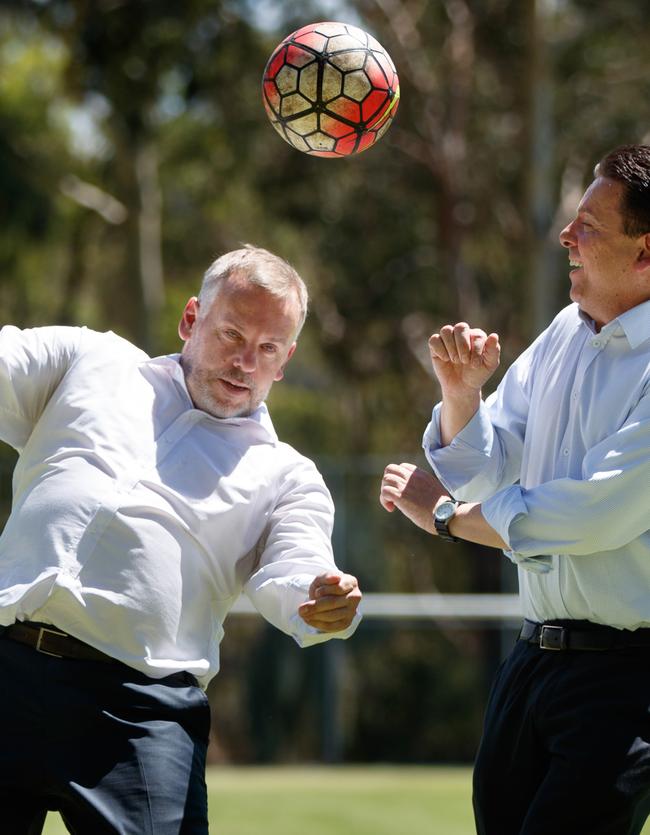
(280, 372)
(643, 258)
(188, 319)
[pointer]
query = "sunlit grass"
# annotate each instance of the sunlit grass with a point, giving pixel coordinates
(361, 800)
(364, 800)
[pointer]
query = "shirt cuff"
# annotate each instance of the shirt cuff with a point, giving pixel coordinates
(307, 636)
(464, 458)
(501, 511)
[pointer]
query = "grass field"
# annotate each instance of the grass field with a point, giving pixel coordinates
(348, 801)
(365, 800)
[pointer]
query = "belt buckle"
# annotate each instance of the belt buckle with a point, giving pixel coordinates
(39, 640)
(552, 637)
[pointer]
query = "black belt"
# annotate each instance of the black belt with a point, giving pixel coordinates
(45, 638)
(582, 635)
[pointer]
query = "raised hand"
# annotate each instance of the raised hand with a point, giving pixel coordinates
(463, 358)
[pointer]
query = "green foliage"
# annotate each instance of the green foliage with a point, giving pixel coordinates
(32, 145)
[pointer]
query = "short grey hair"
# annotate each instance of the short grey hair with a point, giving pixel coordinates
(260, 268)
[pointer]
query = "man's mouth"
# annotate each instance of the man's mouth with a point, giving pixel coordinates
(233, 386)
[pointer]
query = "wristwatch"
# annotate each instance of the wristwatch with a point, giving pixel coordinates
(442, 516)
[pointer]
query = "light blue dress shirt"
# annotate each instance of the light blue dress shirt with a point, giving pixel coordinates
(559, 457)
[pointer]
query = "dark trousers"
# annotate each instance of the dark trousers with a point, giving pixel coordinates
(566, 744)
(112, 750)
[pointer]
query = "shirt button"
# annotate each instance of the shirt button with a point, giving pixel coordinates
(565, 452)
(596, 343)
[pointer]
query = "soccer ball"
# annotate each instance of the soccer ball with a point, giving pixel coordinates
(330, 89)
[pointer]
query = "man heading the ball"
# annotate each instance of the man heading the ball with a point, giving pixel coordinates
(149, 493)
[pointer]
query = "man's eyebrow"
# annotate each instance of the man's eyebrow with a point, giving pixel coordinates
(279, 339)
(234, 325)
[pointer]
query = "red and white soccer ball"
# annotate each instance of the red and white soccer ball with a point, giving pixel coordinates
(330, 89)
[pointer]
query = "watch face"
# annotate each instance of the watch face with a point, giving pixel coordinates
(445, 511)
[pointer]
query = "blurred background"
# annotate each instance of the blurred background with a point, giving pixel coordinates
(134, 149)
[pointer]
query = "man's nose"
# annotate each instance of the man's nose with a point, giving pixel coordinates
(567, 236)
(246, 359)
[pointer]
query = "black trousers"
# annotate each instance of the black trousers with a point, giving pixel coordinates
(566, 744)
(112, 750)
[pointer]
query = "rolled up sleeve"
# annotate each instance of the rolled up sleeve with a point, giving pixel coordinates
(482, 458)
(296, 550)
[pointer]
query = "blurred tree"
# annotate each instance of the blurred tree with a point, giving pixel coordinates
(119, 52)
(31, 150)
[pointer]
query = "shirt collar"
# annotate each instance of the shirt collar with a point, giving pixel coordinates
(634, 323)
(259, 420)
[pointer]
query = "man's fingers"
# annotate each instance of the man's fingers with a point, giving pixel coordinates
(327, 580)
(334, 626)
(338, 590)
(478, 348)
(333, 586)
(492, 350)
(399, 469)
(332, 607)
(393, 484)
(462, 340)
(412, 490)
(389, 494)
(437, 348)
(458, 344)
(443, 345)
(326, 608)
(448, 338)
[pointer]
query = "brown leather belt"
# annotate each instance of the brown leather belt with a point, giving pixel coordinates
(45, 638)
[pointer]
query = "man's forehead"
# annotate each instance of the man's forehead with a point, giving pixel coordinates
(603, 196)
(241, 303)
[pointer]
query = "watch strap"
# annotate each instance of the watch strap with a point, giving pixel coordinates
(442, 526)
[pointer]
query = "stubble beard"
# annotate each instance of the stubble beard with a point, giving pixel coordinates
(201, 386)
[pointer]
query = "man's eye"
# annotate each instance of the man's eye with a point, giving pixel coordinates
(269, 349)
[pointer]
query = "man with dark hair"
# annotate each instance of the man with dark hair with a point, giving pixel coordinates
(148, 494)
(554, 469)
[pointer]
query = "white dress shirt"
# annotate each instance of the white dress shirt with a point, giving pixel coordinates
(559, 456)
(137, 519)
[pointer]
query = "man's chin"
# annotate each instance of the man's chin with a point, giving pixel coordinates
(222, 404)
(219, 409)
(223, 411)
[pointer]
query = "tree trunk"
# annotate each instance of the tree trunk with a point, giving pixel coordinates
(538, 295)
(136, 297)
(150, 243)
